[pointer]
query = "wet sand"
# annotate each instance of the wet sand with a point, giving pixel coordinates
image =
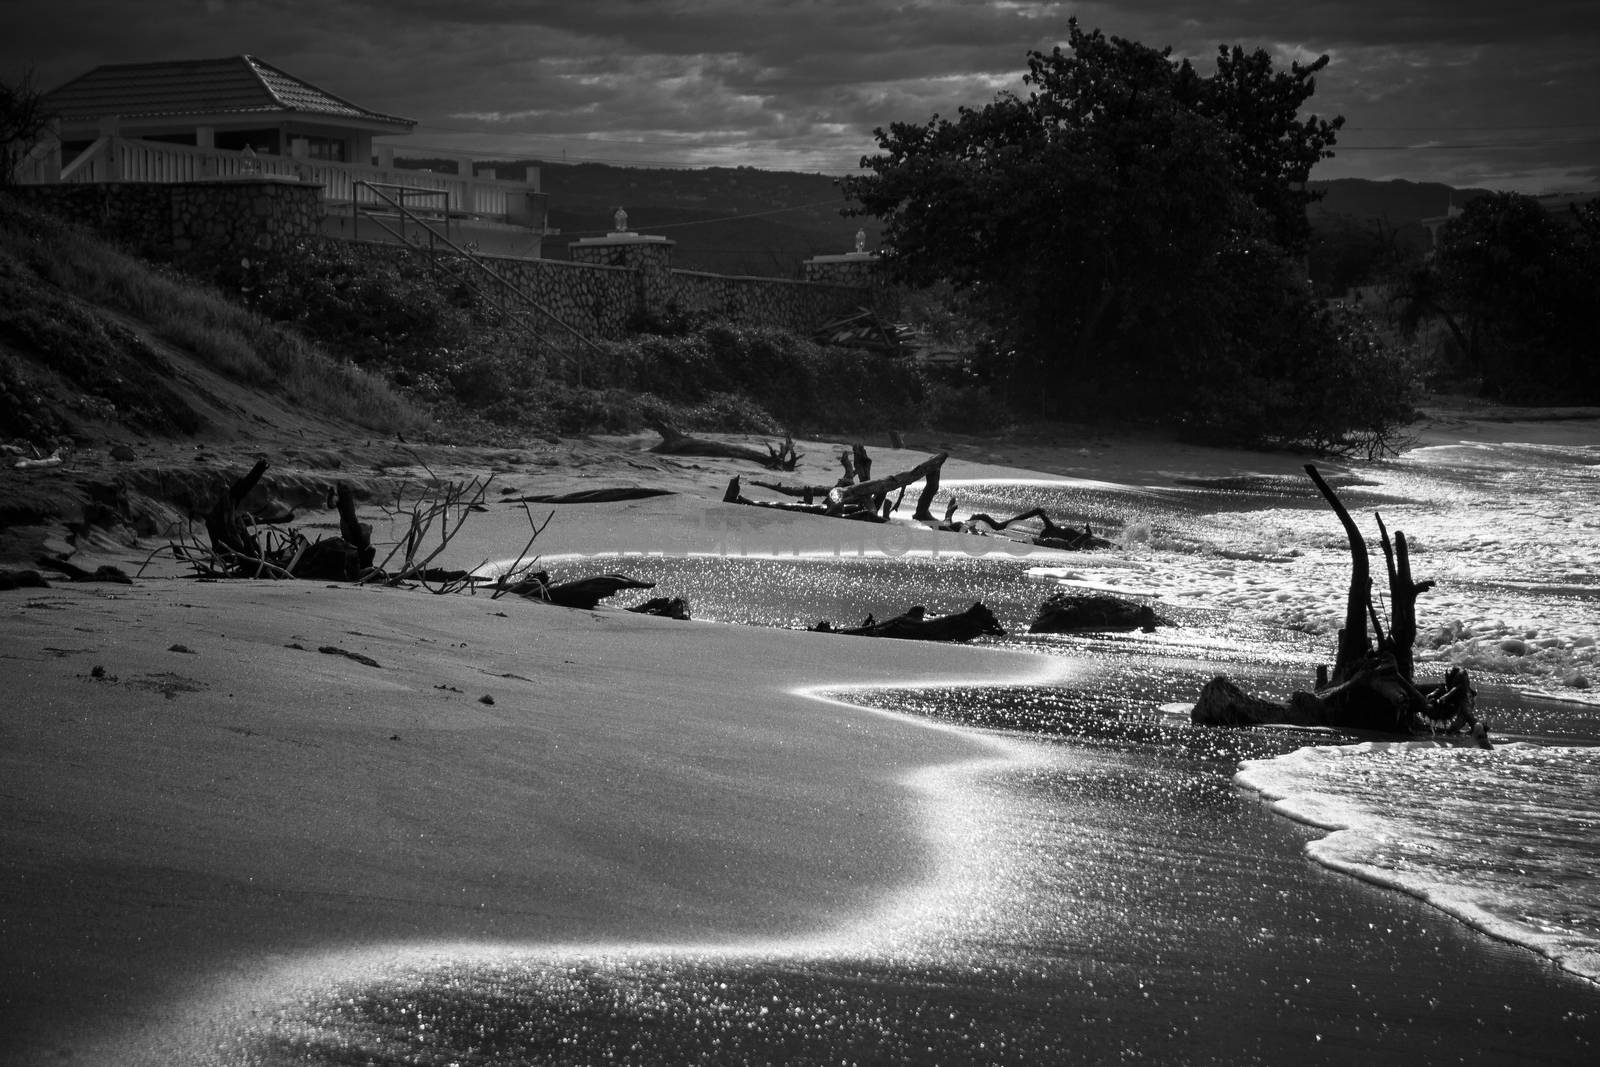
(214, 806)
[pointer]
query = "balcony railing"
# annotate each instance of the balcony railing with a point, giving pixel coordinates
(111, 159)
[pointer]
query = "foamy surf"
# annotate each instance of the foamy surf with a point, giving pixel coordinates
(1502, 839)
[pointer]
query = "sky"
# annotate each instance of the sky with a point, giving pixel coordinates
(1480, 93)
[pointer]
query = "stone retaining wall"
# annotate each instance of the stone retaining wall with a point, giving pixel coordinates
(800, 307)
(166, 218)
(611, 285)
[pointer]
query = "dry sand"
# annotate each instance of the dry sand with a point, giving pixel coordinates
(193, 790)
(194, 787)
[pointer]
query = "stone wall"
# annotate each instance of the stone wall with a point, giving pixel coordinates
(800, 307)
(167, 218)
(611, 284)
(597, 300)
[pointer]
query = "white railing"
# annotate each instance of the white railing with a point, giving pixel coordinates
(126, 159)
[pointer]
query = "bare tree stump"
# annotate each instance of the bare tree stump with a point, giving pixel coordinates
(229, 532)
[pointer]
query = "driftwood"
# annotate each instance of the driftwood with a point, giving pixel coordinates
(674, 442)
(1068, 613)
(227, 526)
(865, 500)
(877, 489)
(916, 625)
(1371, 687)
(590, 496)
(734, 494)
(584, 593)
(1050, 535)
(242, 545)
(1376, 699)
(344, 558)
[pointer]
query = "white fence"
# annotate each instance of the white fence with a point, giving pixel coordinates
(111, 159)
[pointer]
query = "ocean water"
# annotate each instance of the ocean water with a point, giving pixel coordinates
(1253, 569)
(1119, 885)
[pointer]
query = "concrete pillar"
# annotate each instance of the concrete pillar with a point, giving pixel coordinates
(649, 256)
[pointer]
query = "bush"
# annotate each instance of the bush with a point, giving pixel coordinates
(1324, 379)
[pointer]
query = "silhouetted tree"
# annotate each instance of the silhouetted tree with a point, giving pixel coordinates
(23, 117)
(1132, 230)
(1517, 286)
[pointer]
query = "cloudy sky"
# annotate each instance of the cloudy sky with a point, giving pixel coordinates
(1473, 92)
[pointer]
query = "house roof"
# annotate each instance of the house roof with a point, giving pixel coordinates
(241, 85)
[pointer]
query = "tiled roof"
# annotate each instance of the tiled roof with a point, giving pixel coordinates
(236, 84)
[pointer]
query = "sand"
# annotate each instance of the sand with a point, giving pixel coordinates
(192, 787)
(194, 790)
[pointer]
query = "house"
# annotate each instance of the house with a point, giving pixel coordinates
(233, 103)
(239, 116)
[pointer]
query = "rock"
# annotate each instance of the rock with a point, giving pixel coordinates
(1069, 613)
(667, 607)
(22, 580)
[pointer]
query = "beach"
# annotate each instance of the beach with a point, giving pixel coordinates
(230, 805)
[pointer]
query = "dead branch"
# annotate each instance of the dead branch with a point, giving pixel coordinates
(1353, 646)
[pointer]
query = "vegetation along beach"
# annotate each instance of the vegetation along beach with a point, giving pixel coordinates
(1122, 638)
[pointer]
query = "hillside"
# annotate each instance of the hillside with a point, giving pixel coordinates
(151, 391)
(1396, 202)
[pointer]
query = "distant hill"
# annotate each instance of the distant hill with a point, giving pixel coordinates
(1396, 202)
(725, 220)
(740, 220)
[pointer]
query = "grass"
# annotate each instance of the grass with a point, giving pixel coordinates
(76, 279)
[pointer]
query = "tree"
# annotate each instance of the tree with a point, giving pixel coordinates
(1116, 223)
(23, 117)
(1517, 285)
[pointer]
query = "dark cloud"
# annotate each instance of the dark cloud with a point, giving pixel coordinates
(801, 83)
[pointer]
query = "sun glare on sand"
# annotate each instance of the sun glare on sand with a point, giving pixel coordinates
(971, 885)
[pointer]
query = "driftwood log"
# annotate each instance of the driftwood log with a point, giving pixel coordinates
(915, 624)
(585, 593)
(1371, 687)
(246, 545)
(853, 496)
(674, 442)
(1050, 535)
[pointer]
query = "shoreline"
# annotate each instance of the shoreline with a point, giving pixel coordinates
(245, 798)
(240, 802)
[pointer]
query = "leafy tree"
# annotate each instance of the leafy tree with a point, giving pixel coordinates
(23, 117)
(1517, 286)
(1121, 224)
